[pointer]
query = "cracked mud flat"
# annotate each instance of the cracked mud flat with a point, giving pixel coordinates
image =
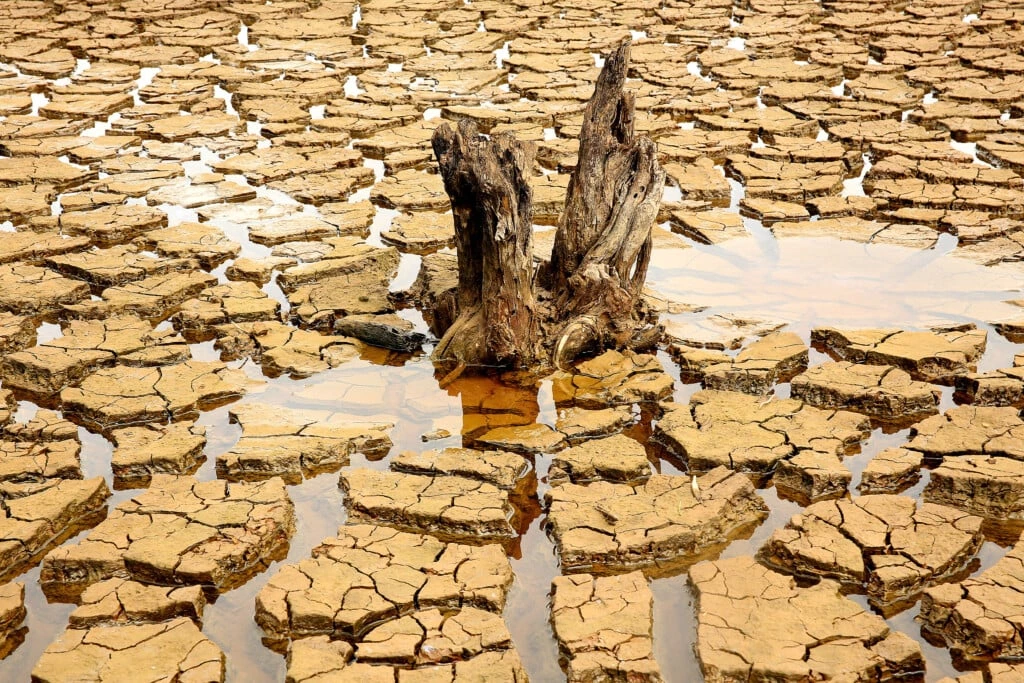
(882, 543)
(173, 650)
(368, 573)
(477, 651)
(447, 505)
(604, 626)
(290, 443)
(12, 613)
(661, 521)
(224, 257)
(753, 621)
(978, 617)
(180, 531)
(753, 434)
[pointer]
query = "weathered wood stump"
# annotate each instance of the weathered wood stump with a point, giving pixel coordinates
(588, 296)
(486, 180)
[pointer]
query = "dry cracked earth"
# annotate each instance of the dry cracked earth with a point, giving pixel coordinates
(226, 456)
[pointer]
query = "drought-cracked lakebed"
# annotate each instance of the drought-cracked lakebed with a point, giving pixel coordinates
(225, 453)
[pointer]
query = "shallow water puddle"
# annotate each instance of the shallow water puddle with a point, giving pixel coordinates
(809, 282)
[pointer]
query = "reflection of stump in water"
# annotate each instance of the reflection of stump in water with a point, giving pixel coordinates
(588, 296)
(492, 402)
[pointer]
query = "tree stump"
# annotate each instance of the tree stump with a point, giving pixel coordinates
(589, 295)
(486, 180)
